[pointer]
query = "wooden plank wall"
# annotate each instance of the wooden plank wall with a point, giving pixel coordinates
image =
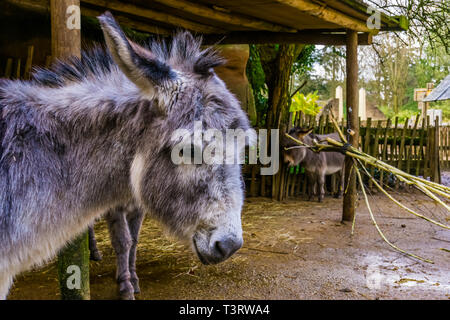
(14, 68)
(412, 145)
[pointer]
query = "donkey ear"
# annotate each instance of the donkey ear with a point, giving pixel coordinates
(136, 62)
(303, 133)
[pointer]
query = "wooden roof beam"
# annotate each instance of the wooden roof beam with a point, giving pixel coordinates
(134, 24)
(153, 15)
(322, 11)
(228, 18)
(388, 23)
(306, 37)
(42, 6)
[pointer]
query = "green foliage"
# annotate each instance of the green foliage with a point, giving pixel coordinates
(403, 114)
(444, 106)
(259, 63)
(305, 61)
(306, 104)
(319, 84)
(431, 66)
(257, 79)
(410, 110)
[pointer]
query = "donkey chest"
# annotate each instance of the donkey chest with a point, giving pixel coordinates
(47, 241)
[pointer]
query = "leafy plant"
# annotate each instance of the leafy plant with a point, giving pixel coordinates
(306, 104)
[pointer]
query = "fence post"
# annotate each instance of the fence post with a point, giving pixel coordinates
(349, 203)
(73, 261)
(434, 156)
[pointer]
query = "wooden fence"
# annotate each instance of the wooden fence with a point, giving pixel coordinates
(413, 146)
(444, 147)
(14, 67)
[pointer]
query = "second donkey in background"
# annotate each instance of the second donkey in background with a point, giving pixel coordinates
(317, 165)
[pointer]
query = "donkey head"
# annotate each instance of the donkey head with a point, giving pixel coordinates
(293, 154)
(198, 202)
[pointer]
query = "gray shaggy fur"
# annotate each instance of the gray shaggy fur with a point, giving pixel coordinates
(95, 133)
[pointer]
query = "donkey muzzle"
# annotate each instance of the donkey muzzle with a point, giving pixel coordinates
(220, 250)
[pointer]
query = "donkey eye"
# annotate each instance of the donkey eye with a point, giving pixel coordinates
(188, 151)
(215, 100)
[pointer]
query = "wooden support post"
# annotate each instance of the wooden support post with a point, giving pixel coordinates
(73, 261)
(352, 124)
(73, 269)
(434, 154)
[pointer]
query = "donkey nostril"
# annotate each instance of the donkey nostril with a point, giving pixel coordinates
(225, 248)
(219, 249)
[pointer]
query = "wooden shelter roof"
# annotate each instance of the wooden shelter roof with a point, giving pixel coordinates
(441, 92)
(238, 21)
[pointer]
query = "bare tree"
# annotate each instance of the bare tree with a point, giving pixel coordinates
(428, 19)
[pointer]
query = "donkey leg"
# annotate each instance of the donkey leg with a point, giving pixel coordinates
(311, 185)
(340, 179)
(321, 186)
(95, 255)
(6, 281)
(135, 218)
(121, 242)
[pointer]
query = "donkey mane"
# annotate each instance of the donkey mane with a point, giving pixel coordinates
(183, 52)
(94, 62)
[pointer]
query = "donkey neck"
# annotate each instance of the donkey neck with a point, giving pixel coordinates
(96, 125)
(311, 158)
(75, 98)
(109, 102)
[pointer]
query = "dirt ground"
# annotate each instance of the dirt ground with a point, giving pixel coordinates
(293, 250)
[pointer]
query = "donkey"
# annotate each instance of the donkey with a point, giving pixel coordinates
(96, 132)
(317, 165)
(124, 223)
